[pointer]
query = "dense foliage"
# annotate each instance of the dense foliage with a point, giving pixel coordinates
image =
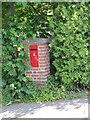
(67, 25)
(20, 21)
(70, 44)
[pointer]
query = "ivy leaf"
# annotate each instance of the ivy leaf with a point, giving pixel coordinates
(21, 53)
(12, 72)
(28, 91)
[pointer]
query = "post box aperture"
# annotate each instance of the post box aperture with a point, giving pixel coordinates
(33, 50)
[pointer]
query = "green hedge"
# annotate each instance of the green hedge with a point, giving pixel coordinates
(69, 46)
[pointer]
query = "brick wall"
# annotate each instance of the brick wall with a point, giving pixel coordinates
(41, 73)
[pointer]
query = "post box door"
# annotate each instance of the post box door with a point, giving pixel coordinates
(33, 55)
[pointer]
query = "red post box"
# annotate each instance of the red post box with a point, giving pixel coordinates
(38, 53)
(33, 51)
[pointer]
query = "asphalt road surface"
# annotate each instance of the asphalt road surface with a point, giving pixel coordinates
(77, 108)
